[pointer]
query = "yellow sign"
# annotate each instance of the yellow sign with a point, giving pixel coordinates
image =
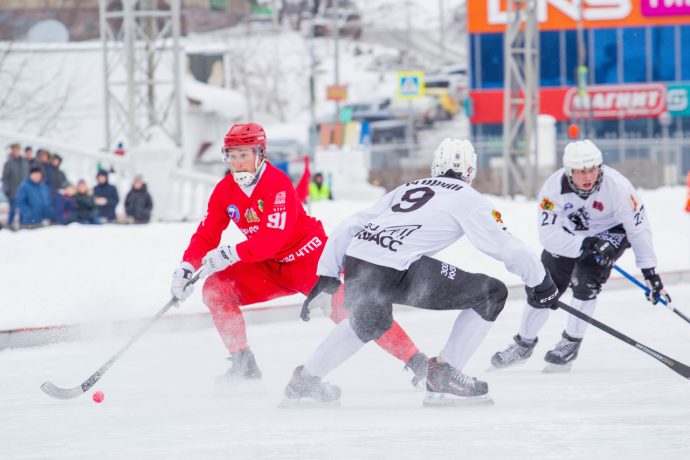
(410, 84)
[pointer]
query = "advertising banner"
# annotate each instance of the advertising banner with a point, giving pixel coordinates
(491, 16)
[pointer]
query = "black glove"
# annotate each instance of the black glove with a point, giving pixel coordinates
(601, 251)
(545, 295)
(324, 289)
(655, 286)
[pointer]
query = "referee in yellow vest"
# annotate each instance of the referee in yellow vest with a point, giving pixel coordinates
(318, 190)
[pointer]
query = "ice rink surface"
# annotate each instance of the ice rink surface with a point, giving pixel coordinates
(161, 401)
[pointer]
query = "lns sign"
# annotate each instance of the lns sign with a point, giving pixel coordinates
(592, 10)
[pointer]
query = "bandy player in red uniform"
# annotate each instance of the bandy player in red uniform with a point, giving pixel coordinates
(279, 257)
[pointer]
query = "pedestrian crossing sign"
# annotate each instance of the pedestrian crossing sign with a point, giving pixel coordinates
(410, 84)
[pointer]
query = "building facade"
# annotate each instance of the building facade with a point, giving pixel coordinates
(637, 66)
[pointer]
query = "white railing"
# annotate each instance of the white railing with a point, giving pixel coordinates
(190, 192)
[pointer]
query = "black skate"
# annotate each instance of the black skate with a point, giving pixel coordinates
(418, 364)
(244, 368)
(447, 386)
(306, 390)
(516, 353)
(561, 358)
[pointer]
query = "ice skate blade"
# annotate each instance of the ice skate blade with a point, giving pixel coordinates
(419, 384)
(433, 399)
(307, 403)
(551, 368)
(493, 368)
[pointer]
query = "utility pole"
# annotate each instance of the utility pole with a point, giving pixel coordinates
(408, 50)
(581, 78)
(442, 30)
(336, 33)
(521, 98)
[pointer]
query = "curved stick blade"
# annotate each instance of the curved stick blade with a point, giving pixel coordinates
(61, 393)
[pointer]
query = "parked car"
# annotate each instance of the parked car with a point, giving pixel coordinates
(349, 23)
(451, 78)
(447, 102)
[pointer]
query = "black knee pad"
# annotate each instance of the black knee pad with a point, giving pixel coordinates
(584, 287)
(370, 323)
(496, 300)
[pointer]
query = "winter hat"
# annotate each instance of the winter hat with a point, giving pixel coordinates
(35, 169)
(102, 172)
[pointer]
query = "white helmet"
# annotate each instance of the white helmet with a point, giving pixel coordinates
(582, 155)
(455, 155)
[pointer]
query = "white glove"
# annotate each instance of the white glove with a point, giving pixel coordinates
(219, 259)
(180, 286)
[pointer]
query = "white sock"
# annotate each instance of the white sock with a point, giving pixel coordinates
(468, 332)
(533, 320)
(336, 348)
(575, 327)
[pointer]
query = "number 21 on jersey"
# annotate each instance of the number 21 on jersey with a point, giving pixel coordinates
(276, 220)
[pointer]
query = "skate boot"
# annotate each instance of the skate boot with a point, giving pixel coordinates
(418, 364)
(516, 353)
(561, 358)
(447, 386)
(243, 368)
(308, 390)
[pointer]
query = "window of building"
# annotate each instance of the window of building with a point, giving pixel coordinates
(685, 53)
(491, 49)
(220, 5)
(605, 56)
(634, 55)
(663, 54)
(571, 55)
(550, 61)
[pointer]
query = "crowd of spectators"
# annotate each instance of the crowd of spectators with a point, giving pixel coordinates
(39, 194)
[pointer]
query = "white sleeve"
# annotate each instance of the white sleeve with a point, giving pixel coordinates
(555, 232)
(631, 213)
(490, 236)
(331, 261)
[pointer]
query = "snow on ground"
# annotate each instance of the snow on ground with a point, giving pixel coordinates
(160, 401)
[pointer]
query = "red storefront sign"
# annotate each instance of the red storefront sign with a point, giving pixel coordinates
(606, 101)
(617, 101)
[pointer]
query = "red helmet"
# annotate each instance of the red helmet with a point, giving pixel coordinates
(247, 134)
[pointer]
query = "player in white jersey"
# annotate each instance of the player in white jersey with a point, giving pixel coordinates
(385, 252)
(589, 214)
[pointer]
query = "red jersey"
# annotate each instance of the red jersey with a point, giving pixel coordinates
(272, 219)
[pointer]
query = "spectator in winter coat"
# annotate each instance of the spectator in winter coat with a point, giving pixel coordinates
(65, 207)
(105, 197)
(30, 157)
(138, 202)
(14, 171)
(86, 207)
(43, 160)
(33, 201)
(54, 177)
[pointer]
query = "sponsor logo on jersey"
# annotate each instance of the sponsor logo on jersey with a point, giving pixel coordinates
(260, 205)
(251, 216)
(387, 237)
(280, 198)
(497, 216)
(598, 205)
(233, 213)
(250, 230)
(634, 202)
(568, 206)
(448, 271)
(546, 204)
(580, 219)
(304, 250)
